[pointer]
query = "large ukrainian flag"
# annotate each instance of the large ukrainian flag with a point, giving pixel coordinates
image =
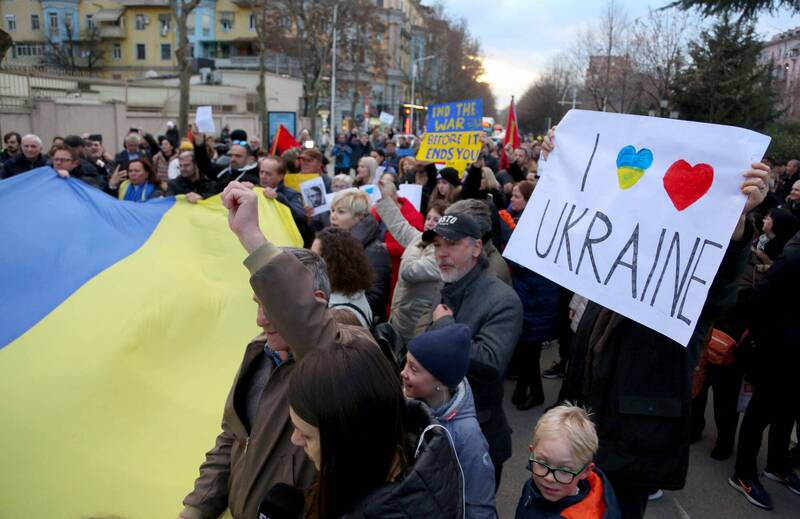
(121, 328)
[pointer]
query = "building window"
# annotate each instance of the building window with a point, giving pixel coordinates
(190, 23)
(164, 21)
(24, 50)
(34, 22)
(166, 52)
(11, 23)
(140, 52)
(116, 51)
(141, 21)
(226, 21)
(206, 25)
(89, 22)
(285, 21)
(53, 18)
(251, 23)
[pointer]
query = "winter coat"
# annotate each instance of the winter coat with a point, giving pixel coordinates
(774, 323)
(638, 384)
(497, 264)
(182, 186)
(418, 280)
(595, 500)
(161, 163)
(458, 417)
(368, 232)
(493, 312)
(342, 154)
(246, 462)
(431, 487)
(20, 164)
(293, 200)
(540, 302)
(396, 250)
(356, 303)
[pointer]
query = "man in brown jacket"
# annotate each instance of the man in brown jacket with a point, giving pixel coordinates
(254, 450)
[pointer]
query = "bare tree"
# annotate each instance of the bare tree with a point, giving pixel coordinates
(268, 34)
(361, 59)
(75, 52)
(603, 57)
(545, 98)
(661, 41)
(181, 9)
(310, 41)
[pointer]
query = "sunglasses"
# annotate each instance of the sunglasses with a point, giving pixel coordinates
(239, 143)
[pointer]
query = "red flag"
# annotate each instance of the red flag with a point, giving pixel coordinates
(512, 135)
(282, 141)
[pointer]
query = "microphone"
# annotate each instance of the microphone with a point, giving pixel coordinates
(282, 502)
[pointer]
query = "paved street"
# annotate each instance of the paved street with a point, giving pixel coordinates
(706, 495)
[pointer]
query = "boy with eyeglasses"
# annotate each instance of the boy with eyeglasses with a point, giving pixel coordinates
(565, 482)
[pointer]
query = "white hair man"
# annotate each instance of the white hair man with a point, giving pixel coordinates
(30, 158)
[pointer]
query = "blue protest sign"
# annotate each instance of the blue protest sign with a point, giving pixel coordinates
(460, 116)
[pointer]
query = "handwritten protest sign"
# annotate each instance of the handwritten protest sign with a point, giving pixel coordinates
(460, 116)
(636, 213)
(453, 132)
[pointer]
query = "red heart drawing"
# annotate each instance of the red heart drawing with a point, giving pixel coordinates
(686, 184)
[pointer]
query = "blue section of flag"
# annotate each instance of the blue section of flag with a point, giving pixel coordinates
(47, 252)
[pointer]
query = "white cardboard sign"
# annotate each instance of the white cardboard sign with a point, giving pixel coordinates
(635, 213)
(204, 119)
(413, 192)
(313, 192)
(373, 191)
(386, 118)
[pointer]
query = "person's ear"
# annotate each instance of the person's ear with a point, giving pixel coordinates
(586, 471)
(476, 252)
(320, 296)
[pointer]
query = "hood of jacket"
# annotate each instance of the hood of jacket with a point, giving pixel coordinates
(595, 498)
(367, 230)
(460, 407)
(431, 486)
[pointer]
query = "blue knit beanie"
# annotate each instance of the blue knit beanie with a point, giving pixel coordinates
(444, 352)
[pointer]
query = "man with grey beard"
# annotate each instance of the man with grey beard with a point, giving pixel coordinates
(477, 298)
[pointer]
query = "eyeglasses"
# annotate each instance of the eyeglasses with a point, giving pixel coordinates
(541, 469)
(239, 143)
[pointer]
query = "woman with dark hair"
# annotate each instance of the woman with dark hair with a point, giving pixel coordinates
(162, 159)
(349, 270)
(779, 225)
(136, 184)
(377, 455)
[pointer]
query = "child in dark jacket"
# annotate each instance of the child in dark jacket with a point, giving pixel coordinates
(565, 482)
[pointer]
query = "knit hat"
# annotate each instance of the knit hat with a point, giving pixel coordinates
(444, 352)
(186, 145)
(238, 135)
(450, 175)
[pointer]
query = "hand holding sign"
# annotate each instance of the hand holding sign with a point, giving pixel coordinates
(648, 233)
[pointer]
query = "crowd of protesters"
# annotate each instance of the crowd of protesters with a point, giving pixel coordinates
(377, 386)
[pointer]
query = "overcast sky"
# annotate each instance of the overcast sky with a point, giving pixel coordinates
(518, 37)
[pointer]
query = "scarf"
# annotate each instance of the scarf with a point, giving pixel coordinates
(139, 193)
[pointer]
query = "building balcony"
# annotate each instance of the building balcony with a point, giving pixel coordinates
(112, 32)
(144, 3)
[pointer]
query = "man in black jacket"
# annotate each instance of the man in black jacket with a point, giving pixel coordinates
(775, 329)
(190, 182)
(30, 158)
(242, 168)
(638, 382)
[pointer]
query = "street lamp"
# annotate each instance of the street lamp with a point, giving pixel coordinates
(413, 85)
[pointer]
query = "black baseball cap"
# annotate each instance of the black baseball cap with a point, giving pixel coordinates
(454, 227)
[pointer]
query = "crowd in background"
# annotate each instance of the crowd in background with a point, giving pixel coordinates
(453, 320)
